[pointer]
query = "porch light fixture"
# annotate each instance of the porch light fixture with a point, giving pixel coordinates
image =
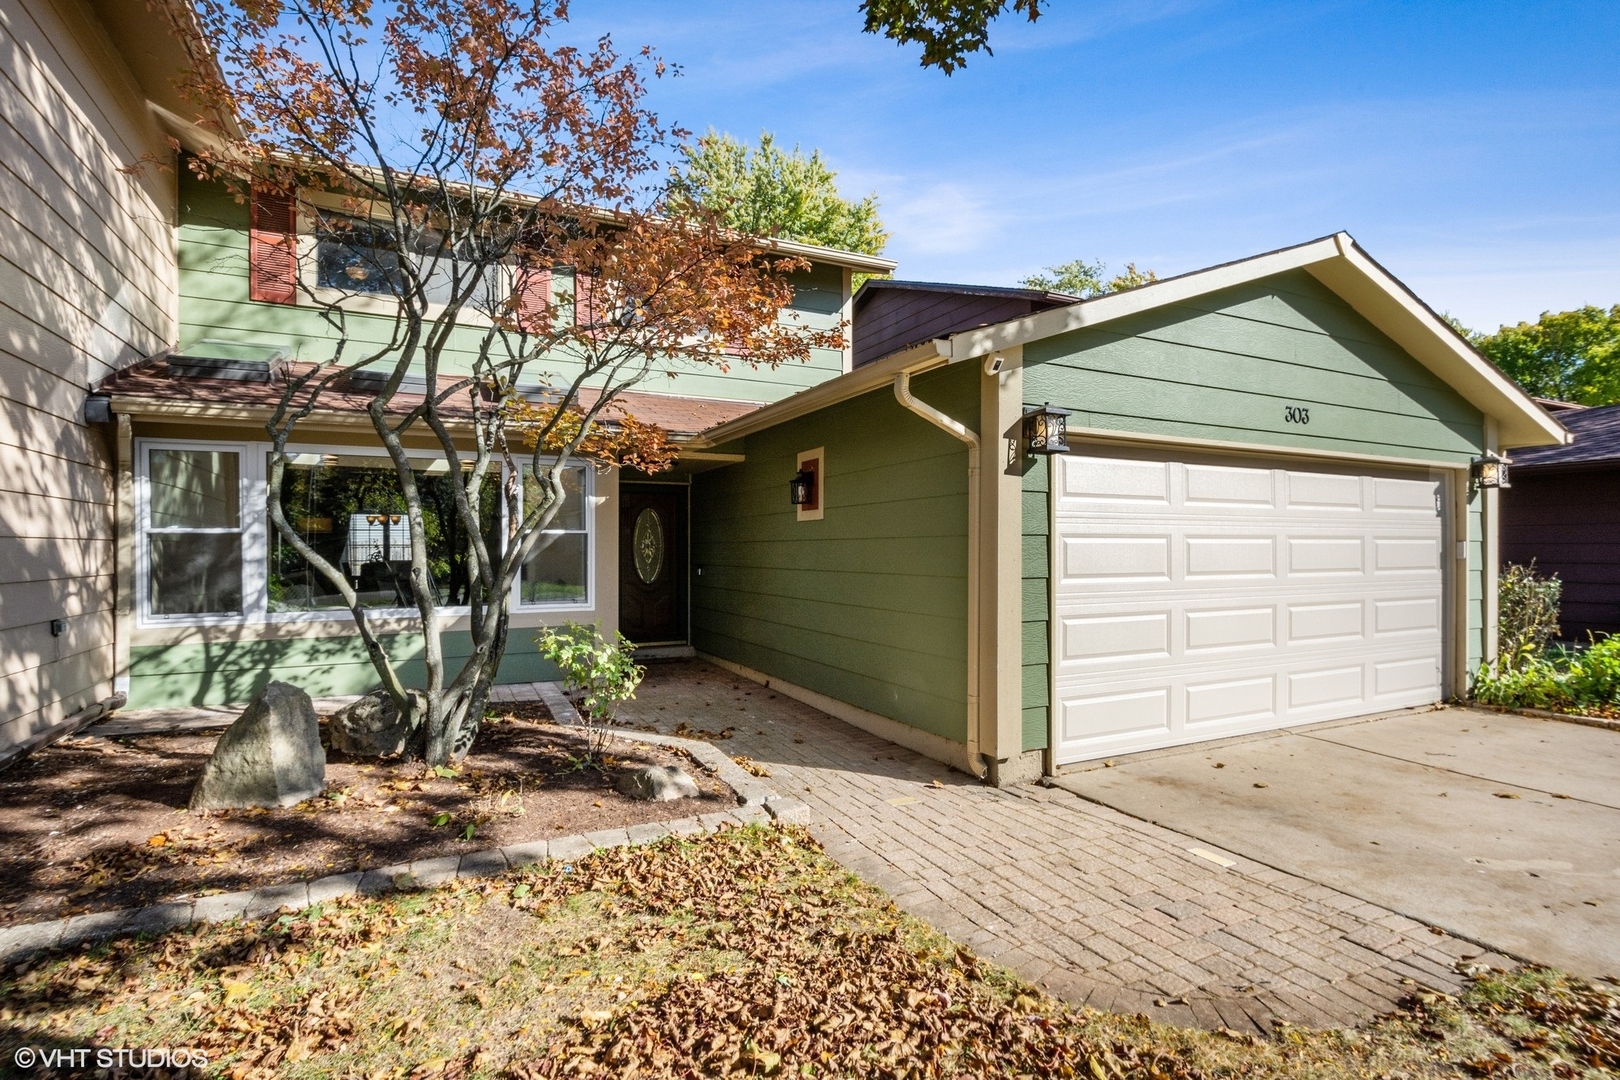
(802, 488)
(1046, 430)
(1490, 470)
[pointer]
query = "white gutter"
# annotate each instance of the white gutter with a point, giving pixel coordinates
(902, 391)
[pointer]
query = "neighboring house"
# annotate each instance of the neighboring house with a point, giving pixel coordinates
(88, 286)
(1266, 518)
(891, 315)
(1563, 511)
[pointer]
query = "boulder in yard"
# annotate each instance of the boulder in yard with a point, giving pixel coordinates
(658, 783)
(271, 755)
(372, 727)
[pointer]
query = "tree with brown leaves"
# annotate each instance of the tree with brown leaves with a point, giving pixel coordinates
(499, 195)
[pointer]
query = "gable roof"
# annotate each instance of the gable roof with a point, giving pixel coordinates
(1597, 440)
(1337, 261)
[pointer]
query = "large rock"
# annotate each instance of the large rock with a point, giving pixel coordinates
(659, 783)
(373, 727)
(271, 755)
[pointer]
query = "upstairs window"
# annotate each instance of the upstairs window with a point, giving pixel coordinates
(355, 256)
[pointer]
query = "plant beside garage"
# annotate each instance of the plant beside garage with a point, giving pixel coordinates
(1533, 671)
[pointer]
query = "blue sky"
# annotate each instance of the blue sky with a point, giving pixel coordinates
(1473, 147)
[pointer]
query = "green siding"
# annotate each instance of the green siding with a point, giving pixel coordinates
(214, 303)
(1224, 367)
(225, 672)
(868, 605)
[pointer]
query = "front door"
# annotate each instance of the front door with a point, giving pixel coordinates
(652, 563)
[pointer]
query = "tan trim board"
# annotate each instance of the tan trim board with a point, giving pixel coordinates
(878, 375)
(925, 743)
(1110, 435)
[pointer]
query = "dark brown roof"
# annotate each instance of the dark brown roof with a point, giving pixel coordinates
(1597, 439)
(151, 380)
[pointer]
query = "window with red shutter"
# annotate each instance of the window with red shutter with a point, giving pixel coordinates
(272, 248)
(531, 299)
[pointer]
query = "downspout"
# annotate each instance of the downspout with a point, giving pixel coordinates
(902, 392)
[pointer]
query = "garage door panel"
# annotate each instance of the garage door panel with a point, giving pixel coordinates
(1324, 555)
(1231, 556)
(1213, 485)
(1090, 479)
(1231, 700)
(1324, 491)
(1200, 600)
(1405, 676)
(1116, 637)
(1226, 629)
(1096, 558)
(1101, 716)
(1406, 616)
(1323, 623)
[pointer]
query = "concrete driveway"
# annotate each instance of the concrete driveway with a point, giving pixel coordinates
(1499, 828)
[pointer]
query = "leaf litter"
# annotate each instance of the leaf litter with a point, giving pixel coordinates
(742, 954)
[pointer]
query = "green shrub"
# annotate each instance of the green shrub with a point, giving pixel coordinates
(598, 674)
(1561, 679)
(1527, 618)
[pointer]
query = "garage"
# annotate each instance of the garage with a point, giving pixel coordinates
(1199, 597)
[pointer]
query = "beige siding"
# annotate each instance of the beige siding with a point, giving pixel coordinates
(87, 285)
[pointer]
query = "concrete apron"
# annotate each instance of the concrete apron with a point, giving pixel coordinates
(1496, 827)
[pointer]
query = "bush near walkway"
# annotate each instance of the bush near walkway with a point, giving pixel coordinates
(746, 953)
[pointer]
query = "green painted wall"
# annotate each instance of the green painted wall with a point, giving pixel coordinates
(868, 605)
(213, 252)
(1225, 367)
(226, 672)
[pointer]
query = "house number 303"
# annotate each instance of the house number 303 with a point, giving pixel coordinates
(1296, 414)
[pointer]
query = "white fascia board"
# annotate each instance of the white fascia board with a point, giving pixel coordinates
(863, 380)
(866, 264)
(1382, 300)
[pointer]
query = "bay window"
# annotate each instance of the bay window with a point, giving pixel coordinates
(208, 552)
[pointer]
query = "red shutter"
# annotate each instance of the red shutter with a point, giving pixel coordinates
(531, 299)
(273, 248)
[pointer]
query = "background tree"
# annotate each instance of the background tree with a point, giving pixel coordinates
(948, 30)
(1088, 279)
(501, 194)
(1567, 355)
(766, 191)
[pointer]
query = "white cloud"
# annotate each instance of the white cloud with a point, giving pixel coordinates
(942, 219)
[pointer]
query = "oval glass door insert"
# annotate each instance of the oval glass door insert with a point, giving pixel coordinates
(648, 542)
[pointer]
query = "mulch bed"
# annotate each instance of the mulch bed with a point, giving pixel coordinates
(93, 824)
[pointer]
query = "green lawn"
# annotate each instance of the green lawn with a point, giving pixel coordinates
(747, 953)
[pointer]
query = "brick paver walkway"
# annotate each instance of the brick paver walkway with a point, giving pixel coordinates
(1094, 906)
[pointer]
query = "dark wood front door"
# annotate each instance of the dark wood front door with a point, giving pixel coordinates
(652, 563)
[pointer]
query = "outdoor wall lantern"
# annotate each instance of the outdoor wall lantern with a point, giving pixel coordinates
(802, 488)
(1046, 430)
(1489, 470)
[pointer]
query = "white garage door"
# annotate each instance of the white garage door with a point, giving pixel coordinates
(1200, 599)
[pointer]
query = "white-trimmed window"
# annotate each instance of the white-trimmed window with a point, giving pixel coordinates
(190, 556)
(559, 574)
(207, 553)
